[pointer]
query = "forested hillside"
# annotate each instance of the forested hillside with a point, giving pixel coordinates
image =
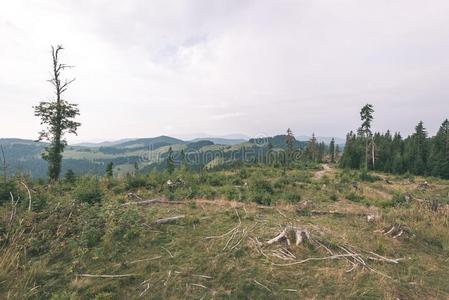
(418, 154)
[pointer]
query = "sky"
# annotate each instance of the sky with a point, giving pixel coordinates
(206, 67)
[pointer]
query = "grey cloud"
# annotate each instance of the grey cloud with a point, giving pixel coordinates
(180, 66)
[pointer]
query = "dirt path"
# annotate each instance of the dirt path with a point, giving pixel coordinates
(323, 172)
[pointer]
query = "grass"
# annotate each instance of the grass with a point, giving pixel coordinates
(43, 251)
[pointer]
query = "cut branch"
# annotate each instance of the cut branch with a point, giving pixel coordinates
(153, 201)
(169, 220)
(105, 275)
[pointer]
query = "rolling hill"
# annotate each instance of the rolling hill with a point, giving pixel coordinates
(24, 156)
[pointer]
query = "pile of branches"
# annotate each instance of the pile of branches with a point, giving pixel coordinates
(293, 236)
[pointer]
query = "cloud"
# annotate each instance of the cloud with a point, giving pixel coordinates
(146, 68)
(227, 116)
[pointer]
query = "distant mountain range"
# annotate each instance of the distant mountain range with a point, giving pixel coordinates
(24, 156)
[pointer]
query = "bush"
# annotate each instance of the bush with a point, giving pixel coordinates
(88, 191)
(365, 176)
(93, 228)
(215, 179)
(399, 200)
(39, 202)
(334, 197)
(243, 174)
(354, 197)
(207, 192)
(262, 186)
(231, 193)
(262, 198)
(281, 182)
(5, 189)
(127, 226)
(135, 182)
(292, 198)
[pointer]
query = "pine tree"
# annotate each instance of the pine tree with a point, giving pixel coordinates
(170, 161)
(332, 150)
(439, 157)
(69, 176)
(418, 150)
(366, 115)
(312, 148)
(182, 158)
(110, 170)
(57, 116)
(321, 151)
(290, 142)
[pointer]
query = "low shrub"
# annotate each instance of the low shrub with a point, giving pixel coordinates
(88, 191)
(215, 179)
(262, 198)
(135, 182)
(281, 182)
(354, 197)
(292, 198)
(262, 186)
(365, 176)
(126, 226)
(5, 189)
(334, 197)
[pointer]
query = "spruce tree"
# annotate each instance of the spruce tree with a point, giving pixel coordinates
(110, 169)
(366, 115)
(170, 161)
(312, 148)
(290, 143)
(183, 160)
(439, 157)
(57, 116)
(69, 176)
(418, 150)
(332, 150)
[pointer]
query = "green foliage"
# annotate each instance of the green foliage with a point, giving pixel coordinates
(5, 189)
(292, 197)
(110, 169)
(417, 154)
(88, 190)
(93, 227)
(215, 179)
(70, 176)
(365, 176)
(262, 198)
(334, 197)
(125, 226)
(399, 200)
(135, 181)
(355, 197)
(170, 161)
(260, 185)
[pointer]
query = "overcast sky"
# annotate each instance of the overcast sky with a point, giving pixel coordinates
(146, 68)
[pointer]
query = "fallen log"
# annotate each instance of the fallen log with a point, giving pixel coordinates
(169, 220)
(370, 216)
(105, 275)
(153, 201)
(300, 235)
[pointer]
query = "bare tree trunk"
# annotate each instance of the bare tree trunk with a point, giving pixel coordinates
(366, 152)
(5, 167)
